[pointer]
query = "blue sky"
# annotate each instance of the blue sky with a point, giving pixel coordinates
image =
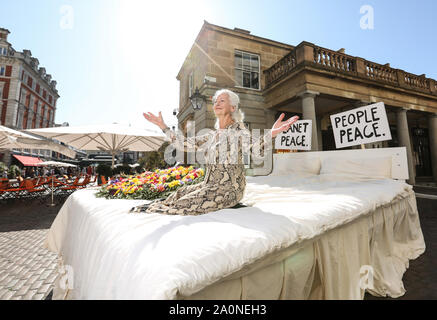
(114, 59)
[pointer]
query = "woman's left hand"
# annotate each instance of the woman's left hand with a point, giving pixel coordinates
(281, 126)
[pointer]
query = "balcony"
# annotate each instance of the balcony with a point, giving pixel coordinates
(309, 55)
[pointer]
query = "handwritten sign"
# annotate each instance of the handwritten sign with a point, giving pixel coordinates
(361, 125)
(297, 137)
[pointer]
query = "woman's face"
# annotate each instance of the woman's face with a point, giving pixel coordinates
(222, 105)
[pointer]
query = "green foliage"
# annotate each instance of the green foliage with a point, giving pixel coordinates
(152, 160)
(14, 171)
(124, 169)
(3, 167)
(104, 170)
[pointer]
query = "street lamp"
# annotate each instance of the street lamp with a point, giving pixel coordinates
(197, 100)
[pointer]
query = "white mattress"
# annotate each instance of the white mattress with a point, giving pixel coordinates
(116, 255)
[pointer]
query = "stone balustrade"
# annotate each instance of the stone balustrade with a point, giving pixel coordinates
(416, 81)
(334, 60)
(380, 72)
(308, 54)
(281, 68)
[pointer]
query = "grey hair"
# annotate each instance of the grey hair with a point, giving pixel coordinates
(237, 115)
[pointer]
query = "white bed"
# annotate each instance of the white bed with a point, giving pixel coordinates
(310, 228)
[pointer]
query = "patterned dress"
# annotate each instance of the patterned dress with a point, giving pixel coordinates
(224, 182)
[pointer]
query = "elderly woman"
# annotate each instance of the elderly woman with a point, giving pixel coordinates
(224, 181)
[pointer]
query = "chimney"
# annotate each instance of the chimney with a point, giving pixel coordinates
(34, 63)
(27, 54)
(42, 71)
(4, 34)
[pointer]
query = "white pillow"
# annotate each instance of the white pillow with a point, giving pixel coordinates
(285, 165)
(376, 168)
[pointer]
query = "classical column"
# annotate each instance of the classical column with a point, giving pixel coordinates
(404, 141)
(432, 126)
(309, 113)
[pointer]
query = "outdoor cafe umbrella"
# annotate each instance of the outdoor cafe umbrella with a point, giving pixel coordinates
(113, 138)
(14, 139)
(54, 164)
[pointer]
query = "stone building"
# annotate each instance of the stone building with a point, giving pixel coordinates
(28, 93)
(312, 82)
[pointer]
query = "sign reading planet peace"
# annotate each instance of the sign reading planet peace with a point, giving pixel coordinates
(297, 137)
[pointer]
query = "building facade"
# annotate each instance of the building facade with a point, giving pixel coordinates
(313, 82)
(28, 93)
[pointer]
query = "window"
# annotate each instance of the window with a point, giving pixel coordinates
(1, 91)
(247, 69)
(3, 51)
(2, 70)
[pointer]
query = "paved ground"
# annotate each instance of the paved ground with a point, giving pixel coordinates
(28, 271)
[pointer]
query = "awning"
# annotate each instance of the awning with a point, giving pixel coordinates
(28, 161)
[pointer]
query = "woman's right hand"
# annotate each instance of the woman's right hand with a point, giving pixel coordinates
(156, 120)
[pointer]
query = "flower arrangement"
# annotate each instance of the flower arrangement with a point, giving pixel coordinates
(151, 185)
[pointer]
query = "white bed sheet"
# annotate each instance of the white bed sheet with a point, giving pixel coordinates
(116, 255)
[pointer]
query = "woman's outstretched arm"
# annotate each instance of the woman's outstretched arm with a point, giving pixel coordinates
(181, 142)
(260, 145)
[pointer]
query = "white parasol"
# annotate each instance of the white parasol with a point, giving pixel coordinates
(14, 139)
(113, 138)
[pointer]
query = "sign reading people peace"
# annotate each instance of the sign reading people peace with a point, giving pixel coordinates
(297, 137)
(361, 125)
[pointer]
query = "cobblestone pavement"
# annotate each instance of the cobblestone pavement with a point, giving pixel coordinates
(28, 271)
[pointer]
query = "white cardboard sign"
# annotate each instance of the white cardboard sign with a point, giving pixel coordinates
(361, 125)
(297, 137)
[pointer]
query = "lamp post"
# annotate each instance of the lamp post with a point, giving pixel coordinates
(197, 100)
